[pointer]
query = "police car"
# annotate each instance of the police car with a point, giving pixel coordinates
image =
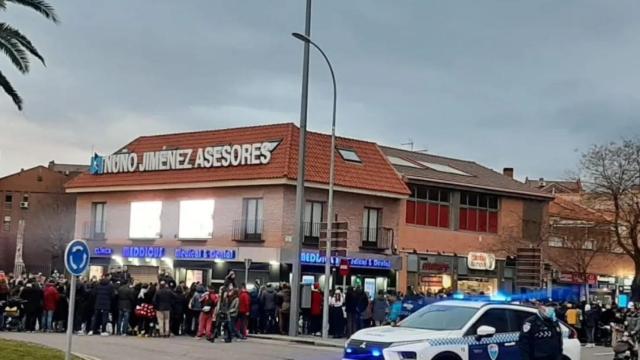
(453, 330)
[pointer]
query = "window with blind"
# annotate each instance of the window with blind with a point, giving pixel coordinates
(478, 212)
(428, 206)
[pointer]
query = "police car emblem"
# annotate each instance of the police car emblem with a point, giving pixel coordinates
(526, 327)
(363, 345)
(493, 351)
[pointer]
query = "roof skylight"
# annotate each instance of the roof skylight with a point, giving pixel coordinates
(401, 162)
(443, 168)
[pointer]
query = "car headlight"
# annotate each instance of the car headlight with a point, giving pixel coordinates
(411, 342)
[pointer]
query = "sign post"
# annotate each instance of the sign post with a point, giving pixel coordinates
(247, 265)
(76, 261)
(345, 267)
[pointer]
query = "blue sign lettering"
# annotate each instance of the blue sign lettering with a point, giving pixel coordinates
(309, 258)
(97, 165)
(102, 251)
(204, 254)
(153, 252)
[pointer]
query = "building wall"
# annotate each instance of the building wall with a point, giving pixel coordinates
(433, 239)
(48, 219)
(278, 214)
(227, 209)
(516, 221)
(348, 207)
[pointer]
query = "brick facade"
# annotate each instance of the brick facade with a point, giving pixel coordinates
(49, 218)
(278, 214)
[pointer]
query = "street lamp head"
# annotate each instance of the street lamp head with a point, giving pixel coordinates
(301, 37)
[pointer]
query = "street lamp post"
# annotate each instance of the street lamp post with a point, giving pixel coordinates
(327, 264)
(299, 213)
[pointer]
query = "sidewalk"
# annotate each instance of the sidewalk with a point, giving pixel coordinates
(303, 339)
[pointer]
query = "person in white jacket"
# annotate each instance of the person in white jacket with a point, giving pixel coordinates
(336, 314)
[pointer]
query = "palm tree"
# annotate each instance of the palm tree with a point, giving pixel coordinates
(18, 47)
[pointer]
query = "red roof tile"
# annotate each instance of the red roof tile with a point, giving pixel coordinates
(564, 208)
(373, 174)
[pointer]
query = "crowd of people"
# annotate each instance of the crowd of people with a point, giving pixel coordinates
(117, 305)
(598, 324)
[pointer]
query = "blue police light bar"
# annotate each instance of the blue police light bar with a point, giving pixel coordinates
(458, 296)
(500, 297)
(376, 353)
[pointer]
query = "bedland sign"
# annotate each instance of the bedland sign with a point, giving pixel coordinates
(180, 159)
(308, 258)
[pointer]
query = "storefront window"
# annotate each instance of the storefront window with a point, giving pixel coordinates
(145, 220)
(194, 276)
(96, 272)
(478, 286)
(370, 287)
(434, 283)
(196, 219)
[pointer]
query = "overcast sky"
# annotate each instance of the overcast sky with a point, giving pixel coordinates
(527, 84)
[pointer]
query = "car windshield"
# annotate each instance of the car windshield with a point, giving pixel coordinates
(439, 317)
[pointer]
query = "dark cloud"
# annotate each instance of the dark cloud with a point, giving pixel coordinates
(519, 83)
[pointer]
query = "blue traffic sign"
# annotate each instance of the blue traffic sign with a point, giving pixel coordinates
(76, 257)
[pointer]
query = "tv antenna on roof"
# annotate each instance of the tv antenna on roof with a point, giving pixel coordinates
(410, 143)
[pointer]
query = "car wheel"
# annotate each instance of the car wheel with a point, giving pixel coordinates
(447, 356)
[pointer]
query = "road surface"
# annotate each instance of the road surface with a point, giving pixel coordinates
(183, 348)
(179, 348)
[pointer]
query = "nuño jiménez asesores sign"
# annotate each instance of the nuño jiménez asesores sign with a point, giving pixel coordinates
(179, 159)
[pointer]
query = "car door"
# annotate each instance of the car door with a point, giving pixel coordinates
(502, 345)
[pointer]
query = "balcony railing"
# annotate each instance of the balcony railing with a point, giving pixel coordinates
(249, 230)
(92, 230)
(377, 238)
(312, 234)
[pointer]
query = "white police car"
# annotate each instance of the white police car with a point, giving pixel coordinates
(453, 330)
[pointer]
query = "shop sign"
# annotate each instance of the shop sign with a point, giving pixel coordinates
(607, 279)
(577, 278)
(565, 277)
(180, 159)
(431, 281)
(204, 254)
(435, 268)
(102, 251)
(481, 261)
(309, 258)
(153, 252)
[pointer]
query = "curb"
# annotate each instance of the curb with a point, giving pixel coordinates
(298, 340)
(84, 357)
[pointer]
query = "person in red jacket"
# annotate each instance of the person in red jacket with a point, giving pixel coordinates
(49, 305)
(244, 310)
(317, 299)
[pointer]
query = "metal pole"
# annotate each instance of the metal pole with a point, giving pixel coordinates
(72, 308)
(299, 215)
(246, 273)
(327, 264)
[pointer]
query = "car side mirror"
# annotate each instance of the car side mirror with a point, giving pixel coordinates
(485, 332)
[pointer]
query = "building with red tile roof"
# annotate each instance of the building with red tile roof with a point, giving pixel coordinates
(372, 174)
(199, 204)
